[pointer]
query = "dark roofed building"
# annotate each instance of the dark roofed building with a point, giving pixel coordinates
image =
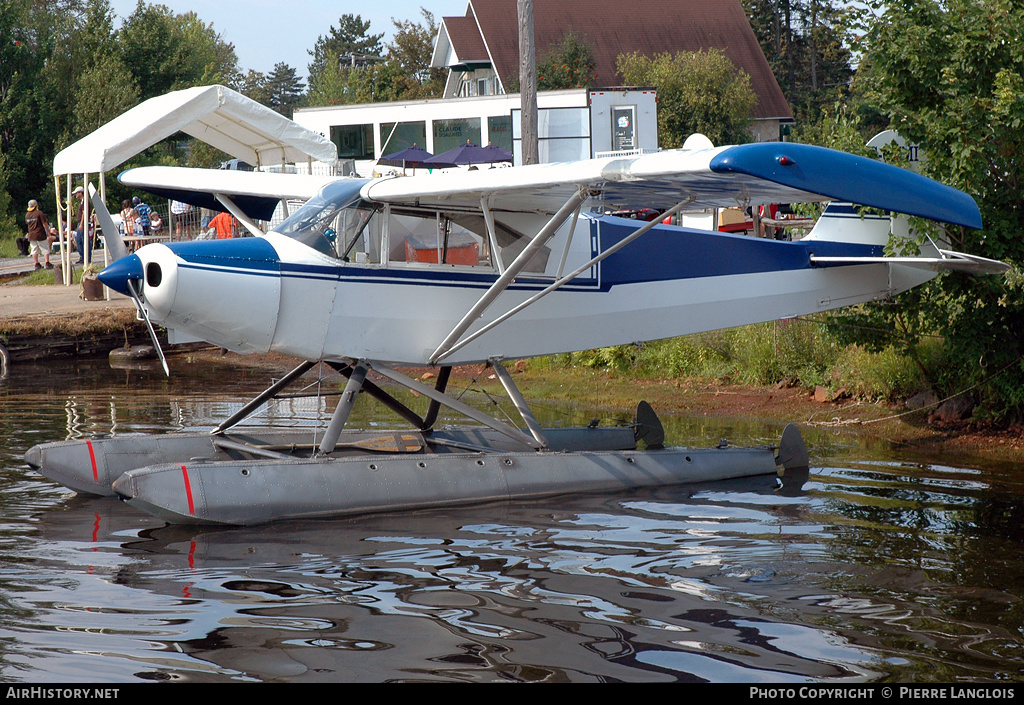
(481, 49)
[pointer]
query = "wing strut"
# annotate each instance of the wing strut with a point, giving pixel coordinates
(566, 279)
(237, 212)
(520, 403)
(510, 273)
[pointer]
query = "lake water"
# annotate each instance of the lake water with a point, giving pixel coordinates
(879, 567)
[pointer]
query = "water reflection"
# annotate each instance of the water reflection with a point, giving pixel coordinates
(873, 566)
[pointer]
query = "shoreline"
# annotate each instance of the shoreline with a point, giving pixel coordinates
(781, 404)
(49, 322)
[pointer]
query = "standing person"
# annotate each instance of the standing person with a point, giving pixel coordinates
(39, 230)
(128, 218)
(180, 214)
(144, 213)
(79, 226)
(226, 225)
(128, 223)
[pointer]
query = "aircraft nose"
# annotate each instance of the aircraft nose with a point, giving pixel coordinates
(117, 274)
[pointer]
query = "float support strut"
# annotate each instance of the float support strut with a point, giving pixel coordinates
(344, 408)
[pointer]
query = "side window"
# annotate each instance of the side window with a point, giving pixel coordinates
(358, 236)
(437, 239)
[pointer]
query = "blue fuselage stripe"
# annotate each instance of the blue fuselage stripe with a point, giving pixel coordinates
(665, 253)
(669, 252)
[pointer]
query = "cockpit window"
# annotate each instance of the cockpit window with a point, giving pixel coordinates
(332, 221)
(338, 223)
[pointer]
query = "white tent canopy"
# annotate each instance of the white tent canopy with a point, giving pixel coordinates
(216, 115)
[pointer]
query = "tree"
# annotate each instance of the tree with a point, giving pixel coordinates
(568, 64)
(253, 85)
(697, 92)
(950, 76)
(64, 71)
(105, 89)
(367, 84)
(169, 51)
(808, 45)
(37, 90)
(403, 74)
(284, 89)
(350, 37)
(411, 49)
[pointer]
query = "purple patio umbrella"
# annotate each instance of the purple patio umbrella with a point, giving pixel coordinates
(408, 157)
(470, 153)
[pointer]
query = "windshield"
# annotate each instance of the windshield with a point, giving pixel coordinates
(329, 221)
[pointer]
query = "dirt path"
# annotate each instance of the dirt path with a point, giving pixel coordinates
(21, 301)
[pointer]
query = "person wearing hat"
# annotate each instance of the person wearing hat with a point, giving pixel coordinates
(39, 230)
(79, 227)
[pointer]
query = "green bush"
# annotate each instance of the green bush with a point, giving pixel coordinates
(883, 376)
(8, 246)
(799, 351)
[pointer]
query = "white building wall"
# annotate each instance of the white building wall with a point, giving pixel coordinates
(565, 115)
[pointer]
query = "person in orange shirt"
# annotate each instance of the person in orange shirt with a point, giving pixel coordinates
(226, 225)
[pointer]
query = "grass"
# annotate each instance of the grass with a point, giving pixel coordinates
(9, 247)
(794, 352)
(42, 277)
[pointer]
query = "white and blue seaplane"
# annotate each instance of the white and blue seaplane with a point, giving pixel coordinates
(372, 276)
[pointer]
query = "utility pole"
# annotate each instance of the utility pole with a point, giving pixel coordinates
(528, 83)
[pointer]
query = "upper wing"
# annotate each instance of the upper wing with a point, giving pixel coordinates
(752, 174)
(256, 193)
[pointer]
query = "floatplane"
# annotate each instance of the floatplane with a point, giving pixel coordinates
(482, 267)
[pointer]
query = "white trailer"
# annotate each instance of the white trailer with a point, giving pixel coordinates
(572, 124)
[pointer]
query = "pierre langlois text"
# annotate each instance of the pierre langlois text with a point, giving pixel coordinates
(883, 692)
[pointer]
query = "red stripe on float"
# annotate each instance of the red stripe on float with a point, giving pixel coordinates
(92, 458)
(188, 491)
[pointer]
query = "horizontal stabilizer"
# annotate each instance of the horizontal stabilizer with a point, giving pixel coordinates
(956, 261)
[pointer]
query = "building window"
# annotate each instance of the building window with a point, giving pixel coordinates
(499, 131)
(449, 134)
(563, 134)
(395, 137)
(353, 141)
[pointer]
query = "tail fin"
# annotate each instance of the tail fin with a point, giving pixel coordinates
(846, 222)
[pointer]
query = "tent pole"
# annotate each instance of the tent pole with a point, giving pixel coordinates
(106, 250)
(86, 254)
(60, 215)
(65, 250)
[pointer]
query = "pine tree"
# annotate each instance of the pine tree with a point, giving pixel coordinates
(284, 89)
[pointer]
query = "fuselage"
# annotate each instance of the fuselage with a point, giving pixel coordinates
(354, 288)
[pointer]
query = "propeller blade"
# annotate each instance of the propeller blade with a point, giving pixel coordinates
(145, 315)
(111, 233)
